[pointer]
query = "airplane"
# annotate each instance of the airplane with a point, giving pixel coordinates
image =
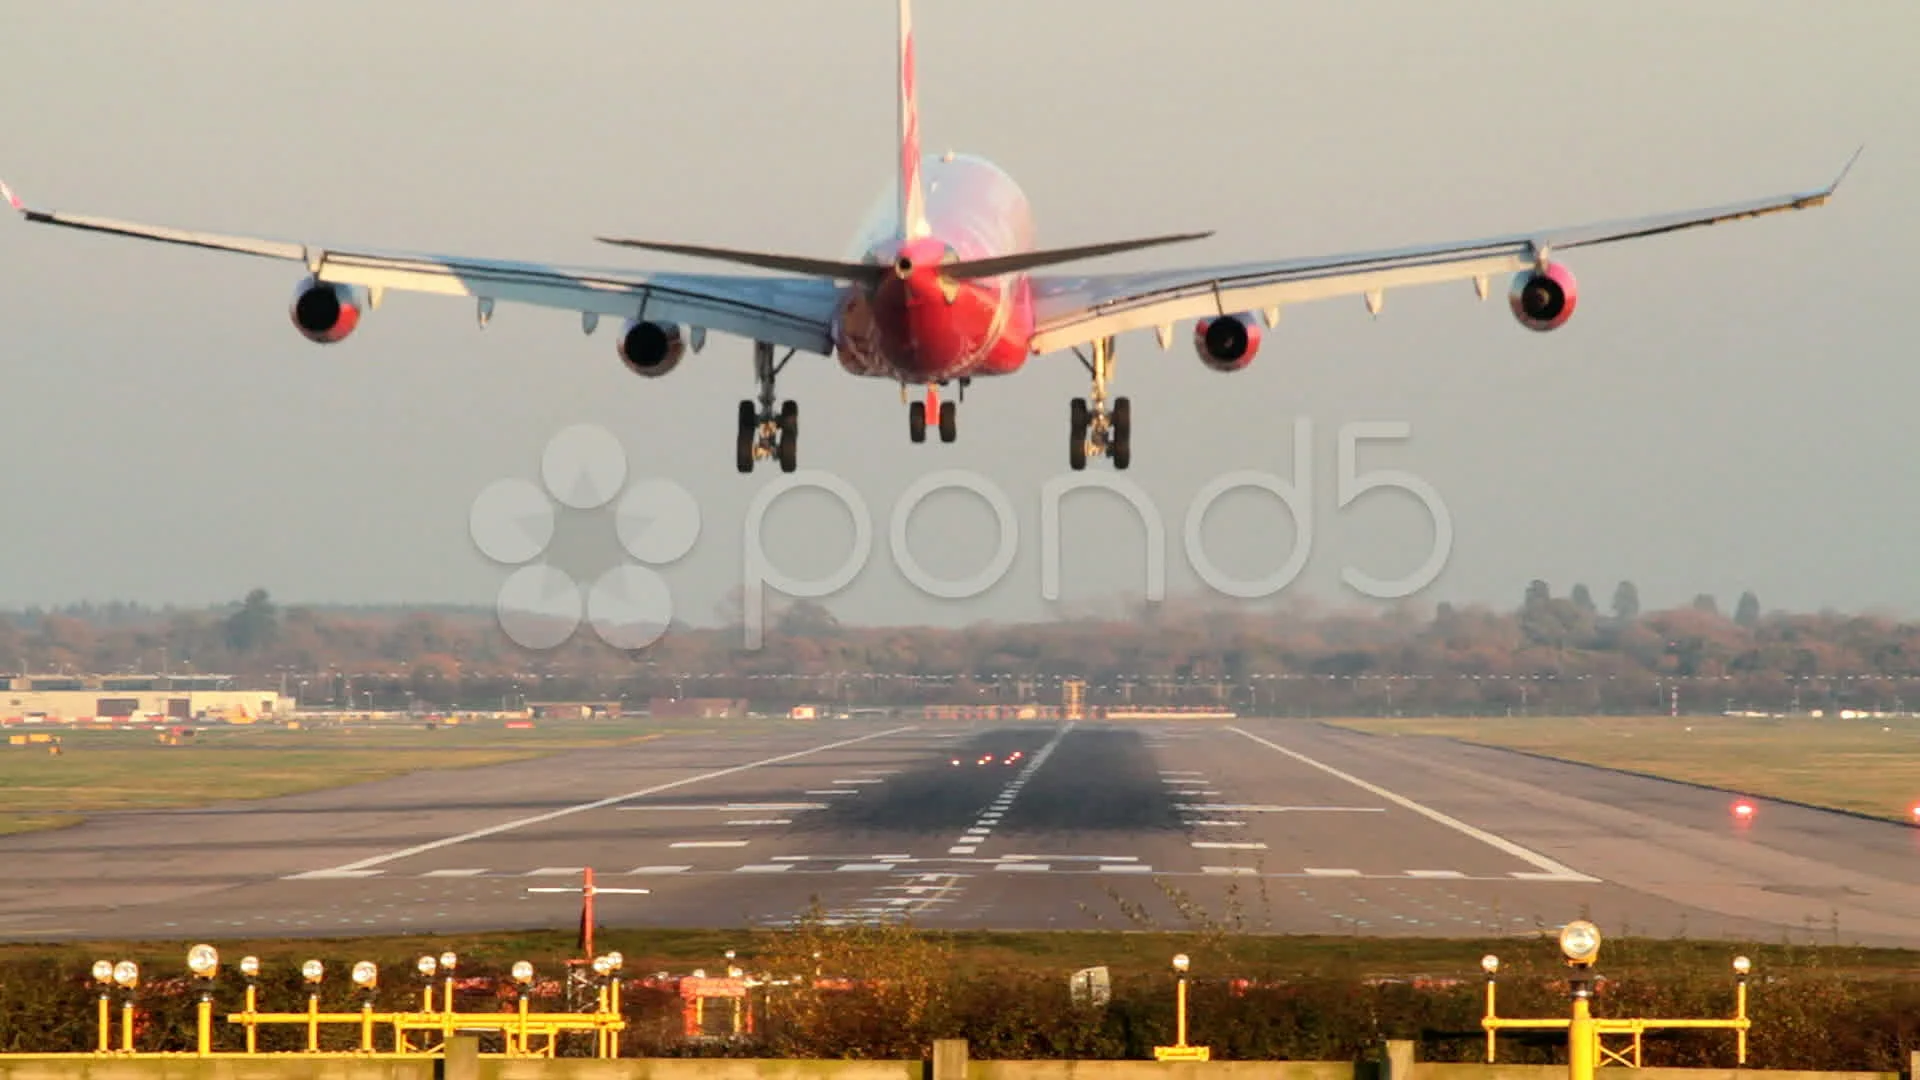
(946, 288)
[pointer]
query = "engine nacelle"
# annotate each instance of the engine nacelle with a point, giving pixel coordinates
(651, 349)
(1228, 343)
(326, 311)
(1544, 299)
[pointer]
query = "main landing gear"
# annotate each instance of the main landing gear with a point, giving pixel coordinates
(1094, 428)
(763, 433)
(946, 415)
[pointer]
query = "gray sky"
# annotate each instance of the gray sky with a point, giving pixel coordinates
(1729, 408)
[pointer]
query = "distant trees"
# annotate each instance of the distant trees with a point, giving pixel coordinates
(253, 626)
(1626, 602)
(1547, 653)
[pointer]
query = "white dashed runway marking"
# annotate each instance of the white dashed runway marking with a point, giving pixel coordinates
(1548, 869)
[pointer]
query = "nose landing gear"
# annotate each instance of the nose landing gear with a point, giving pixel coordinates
(946, 416)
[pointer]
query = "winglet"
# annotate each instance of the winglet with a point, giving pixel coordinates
(12, 199)
(1845, 169)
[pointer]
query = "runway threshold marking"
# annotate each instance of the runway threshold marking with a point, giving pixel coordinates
(509, 826)
(1549, 869)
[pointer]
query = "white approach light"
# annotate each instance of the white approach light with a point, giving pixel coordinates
(1180, 962)
(1742, 965)
(366, 975)
(449, 962)
(522, 972)
(126, 973)
(1489, 963)
(426, 966)
(204, 961)
(250, 966)
(1580, 941)
(313, 970)
(103, 971)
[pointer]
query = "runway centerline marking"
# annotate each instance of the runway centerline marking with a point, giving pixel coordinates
(707, 843)
(509, 826)
(1551, 870)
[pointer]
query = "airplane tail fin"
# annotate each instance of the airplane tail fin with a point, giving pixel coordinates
(913, 211)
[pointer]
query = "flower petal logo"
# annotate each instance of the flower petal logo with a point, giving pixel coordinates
(584, 544)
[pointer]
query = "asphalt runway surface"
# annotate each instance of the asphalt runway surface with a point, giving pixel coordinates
(1267, 826)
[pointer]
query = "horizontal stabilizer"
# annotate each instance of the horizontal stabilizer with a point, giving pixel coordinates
(793, 264)
(994, 266)
(1033, 260)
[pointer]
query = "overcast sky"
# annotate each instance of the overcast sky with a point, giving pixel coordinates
(1730, 408)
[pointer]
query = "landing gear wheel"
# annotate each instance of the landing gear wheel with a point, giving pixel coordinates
(749, 428)
(789, 436)
(949, 422)
(767, 432)
(1100, 429)
(1078, 419)
(917, 421)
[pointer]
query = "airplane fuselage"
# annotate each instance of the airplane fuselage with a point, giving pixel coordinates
(914, 326)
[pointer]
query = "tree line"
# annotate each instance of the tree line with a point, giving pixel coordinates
(1551, 653)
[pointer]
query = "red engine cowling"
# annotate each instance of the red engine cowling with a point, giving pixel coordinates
(652, 349)
(1227, 344)
(327, 312)
(1544, 300)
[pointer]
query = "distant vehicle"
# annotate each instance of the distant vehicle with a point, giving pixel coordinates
(944, 291)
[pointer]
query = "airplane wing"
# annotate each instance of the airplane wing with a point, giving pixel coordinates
(1077, 309)
(793, 311)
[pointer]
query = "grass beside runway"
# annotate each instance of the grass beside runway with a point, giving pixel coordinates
(1214, 954)
(125, 770)
(1869, 767)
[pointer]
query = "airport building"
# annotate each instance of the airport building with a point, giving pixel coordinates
(69, 699)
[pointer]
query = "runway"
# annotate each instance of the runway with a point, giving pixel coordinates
(1269, 826)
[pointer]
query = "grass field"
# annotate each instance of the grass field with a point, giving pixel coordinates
(125, 770)
(1866, 766)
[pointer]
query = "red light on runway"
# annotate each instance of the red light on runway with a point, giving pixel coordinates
(1743, 810)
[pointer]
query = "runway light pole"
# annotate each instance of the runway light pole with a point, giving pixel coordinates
(1586, 1033)
(204, 962)
(313, 971)
(103, 975)
(126, 975)
(366, 976)
(250, 968)
(1180, 1051)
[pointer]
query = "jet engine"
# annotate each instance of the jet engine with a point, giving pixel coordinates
(651, 349)
(1227, 344)
(326, 311)
(1544, 299)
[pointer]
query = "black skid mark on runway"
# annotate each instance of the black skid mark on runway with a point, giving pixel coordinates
(935, 795)
(1099, 779)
